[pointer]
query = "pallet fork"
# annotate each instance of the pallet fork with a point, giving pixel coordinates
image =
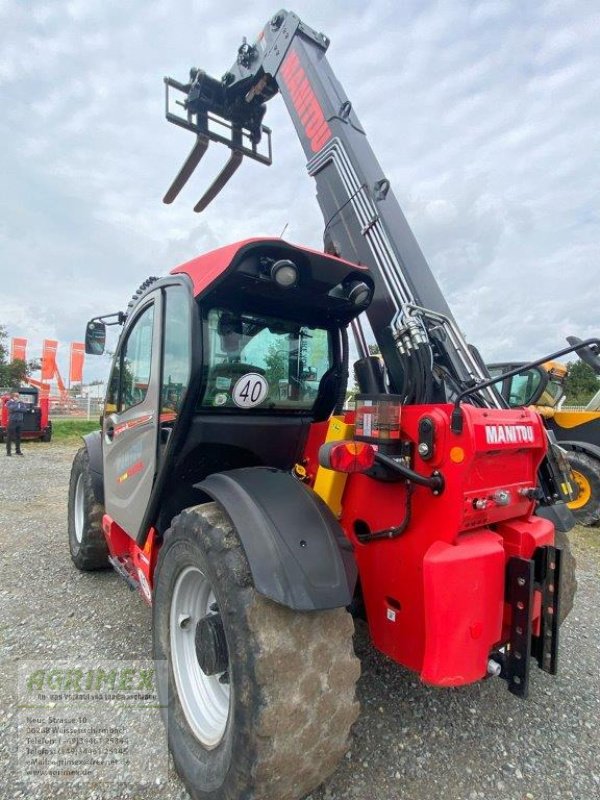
(211, 118)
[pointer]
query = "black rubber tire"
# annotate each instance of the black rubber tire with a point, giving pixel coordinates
(293, 675)
(92, 552)
(589, 467)
(47, 434)
(568, 580)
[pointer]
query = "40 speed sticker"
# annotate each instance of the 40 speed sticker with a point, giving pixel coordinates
(250, 390)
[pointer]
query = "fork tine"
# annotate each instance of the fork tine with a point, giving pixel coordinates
(189, 165)
(235, 159)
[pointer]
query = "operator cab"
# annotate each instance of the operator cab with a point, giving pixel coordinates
(225, 363)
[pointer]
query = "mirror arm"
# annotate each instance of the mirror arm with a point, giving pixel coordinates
(456, 419)
(118, 318)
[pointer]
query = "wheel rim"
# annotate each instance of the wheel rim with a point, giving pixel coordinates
(204, 698)
(78, 510)
(585, 491)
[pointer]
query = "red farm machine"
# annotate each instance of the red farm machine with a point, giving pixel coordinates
(36, 421)
(256, 515)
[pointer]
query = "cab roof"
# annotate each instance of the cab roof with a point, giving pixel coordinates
(206, 269)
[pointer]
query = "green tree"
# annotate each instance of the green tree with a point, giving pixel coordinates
(3, 347)
(276, 363)
(581, 383)
(12, 373)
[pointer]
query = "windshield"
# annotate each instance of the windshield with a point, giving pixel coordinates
(263, 362)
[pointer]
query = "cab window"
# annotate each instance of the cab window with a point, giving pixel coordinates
(263, 362)
(176, 350)
(129, 381)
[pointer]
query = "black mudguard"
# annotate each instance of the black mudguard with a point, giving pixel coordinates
(559, 514)
(93, 444)
(581, 447)
(296, 549)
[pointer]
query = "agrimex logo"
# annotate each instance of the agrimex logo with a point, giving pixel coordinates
(305, 102)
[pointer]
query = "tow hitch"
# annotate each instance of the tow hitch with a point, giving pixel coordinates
(525, 578)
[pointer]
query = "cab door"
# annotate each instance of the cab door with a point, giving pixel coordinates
(131, 418)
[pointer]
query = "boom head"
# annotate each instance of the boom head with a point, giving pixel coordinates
(230, 110)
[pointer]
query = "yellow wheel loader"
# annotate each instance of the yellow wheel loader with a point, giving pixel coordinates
(577, 431)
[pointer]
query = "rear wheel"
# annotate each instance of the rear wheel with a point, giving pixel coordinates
(87, 543)
(261, 698)
(586, 471)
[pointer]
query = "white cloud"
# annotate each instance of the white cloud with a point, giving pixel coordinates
(484, 116)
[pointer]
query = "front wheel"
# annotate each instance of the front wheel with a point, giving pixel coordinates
(260, 697)
(87, 543)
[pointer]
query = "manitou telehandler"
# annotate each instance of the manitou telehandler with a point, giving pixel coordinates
(576, 431)
(230, 487)
(36, 420)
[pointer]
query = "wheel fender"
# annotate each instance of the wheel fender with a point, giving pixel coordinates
(581, 447)
(559, 514)
(93, 444)
(296, 549)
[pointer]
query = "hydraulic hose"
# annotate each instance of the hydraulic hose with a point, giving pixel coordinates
(415, 379)
(434, 482)
(428, 391)
(407, 389)
(424, 371)
(396, 530)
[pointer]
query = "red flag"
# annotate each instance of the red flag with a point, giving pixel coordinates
(76, 363)
(18, 349)
(49, 359)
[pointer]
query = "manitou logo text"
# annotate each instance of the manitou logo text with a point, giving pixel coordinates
(305, 102)
(509, 434)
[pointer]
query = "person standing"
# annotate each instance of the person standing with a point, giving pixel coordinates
(16, 410)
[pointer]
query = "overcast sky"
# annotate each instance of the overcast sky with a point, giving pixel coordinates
(484, 115)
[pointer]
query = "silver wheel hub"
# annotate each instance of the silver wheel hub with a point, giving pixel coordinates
(79, 509)
(205, 699)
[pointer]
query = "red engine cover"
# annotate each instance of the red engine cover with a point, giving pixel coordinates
(435, 595)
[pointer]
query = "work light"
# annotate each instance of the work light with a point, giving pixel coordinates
(285, 273)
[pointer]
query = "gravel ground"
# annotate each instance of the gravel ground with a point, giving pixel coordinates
(411, 742)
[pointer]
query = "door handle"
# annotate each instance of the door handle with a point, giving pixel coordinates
(110, 431)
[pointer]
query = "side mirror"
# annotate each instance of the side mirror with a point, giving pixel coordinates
(587, 353)
(95, 338)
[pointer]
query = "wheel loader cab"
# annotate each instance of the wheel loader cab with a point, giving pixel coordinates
(541, 386)
(224, 364)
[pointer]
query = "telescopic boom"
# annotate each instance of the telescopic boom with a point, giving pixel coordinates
(425, 354)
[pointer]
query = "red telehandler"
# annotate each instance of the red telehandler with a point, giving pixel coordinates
(256, 516)
(36, 421)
